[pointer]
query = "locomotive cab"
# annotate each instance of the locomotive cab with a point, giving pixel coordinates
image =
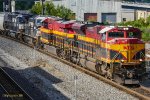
(20, 23)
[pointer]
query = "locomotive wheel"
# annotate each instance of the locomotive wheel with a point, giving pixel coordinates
(1, 32)
(34, 42)
(109, 74)
(8, 33)
(16, 36)
(63, 54)
(5, 33)
(98, 68)
(58, 52)
(20, 37)
(67, 55)
(42, 45)
(24, 39)
(74, 58)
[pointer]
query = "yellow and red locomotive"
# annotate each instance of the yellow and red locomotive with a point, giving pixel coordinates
(115, 52)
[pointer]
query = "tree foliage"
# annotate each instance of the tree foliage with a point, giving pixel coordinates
(36, 9)
(143, 24)
(50, 9)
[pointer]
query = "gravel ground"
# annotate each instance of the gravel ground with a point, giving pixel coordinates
(54, 78)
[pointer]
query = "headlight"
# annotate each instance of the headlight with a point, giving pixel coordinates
(122, 60)
(140, 60)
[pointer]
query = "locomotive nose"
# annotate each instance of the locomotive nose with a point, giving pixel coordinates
(130, 48)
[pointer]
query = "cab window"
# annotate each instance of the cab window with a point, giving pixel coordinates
(45, 24)
(20, 20)
(133, 35)
(115, 34)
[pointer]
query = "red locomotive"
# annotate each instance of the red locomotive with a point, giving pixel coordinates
(115, 52)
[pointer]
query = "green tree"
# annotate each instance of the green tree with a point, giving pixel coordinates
(50, 9)
(148, 20)
(36, 9)
(64, 12)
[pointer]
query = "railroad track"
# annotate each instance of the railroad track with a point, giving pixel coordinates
(11, 90)
(139, 92)
(142, 90)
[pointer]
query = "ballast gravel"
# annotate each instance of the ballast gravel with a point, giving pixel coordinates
(59, 81)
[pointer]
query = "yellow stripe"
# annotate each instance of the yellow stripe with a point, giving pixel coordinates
(46, 30)
(87, 39)
(68, 35)
(44, 41)
(63, 34)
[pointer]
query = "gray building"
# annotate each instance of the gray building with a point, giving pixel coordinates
(94, 10)
(111, 11)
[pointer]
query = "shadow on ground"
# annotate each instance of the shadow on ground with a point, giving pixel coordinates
(31, 86)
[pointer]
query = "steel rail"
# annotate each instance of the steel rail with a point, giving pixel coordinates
(13, 90)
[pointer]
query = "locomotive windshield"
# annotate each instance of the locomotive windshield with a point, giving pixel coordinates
(38, 22)
(116, 34)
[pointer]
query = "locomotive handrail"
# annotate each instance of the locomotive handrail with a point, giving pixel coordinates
(142, 54)
(115, 57)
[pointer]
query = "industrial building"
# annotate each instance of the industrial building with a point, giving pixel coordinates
(94, 10)
(110, 11)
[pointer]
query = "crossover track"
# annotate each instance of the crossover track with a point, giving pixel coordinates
(12, 90)
(139, 92)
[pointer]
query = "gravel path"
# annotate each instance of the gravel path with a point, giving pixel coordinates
(54, 78)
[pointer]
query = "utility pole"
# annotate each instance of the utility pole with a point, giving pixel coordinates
(42, 7)
(6, 5)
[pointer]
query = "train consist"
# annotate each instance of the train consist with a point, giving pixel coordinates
(116, 52)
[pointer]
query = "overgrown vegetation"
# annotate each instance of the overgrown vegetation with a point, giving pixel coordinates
(143, 24)
(50, 9)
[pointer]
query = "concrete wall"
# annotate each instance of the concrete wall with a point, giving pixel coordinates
(142, 14)
(79, 7)
(128, 14)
